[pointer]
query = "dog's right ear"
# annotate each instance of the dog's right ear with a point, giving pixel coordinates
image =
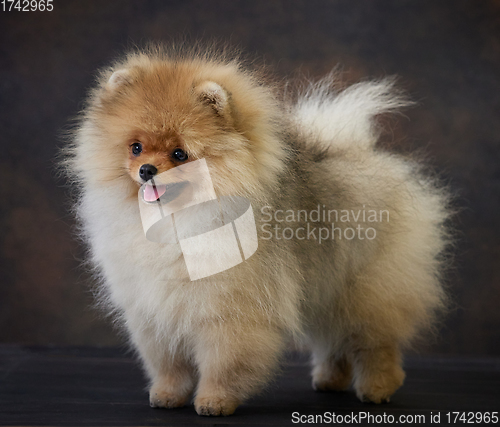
(119, 79)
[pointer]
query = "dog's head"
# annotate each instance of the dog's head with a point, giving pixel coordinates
(151, 114)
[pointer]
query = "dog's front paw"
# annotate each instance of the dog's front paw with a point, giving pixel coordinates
(162, 399)
(215, 406)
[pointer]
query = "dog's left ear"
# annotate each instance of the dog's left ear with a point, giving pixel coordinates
(215, 96)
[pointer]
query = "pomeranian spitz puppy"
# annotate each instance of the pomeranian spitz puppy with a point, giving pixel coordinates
(350, 236)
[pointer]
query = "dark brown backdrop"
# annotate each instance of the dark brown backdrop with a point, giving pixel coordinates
(446, 53)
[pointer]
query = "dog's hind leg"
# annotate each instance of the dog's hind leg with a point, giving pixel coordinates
(332, 374)
(377, 373)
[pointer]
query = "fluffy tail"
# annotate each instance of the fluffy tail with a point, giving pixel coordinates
(347, 118)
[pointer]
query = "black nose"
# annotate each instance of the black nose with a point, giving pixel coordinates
(146, 172)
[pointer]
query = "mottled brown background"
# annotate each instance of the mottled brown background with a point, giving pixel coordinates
(447, 54)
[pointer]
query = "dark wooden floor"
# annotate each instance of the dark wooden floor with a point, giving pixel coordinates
(102, 386)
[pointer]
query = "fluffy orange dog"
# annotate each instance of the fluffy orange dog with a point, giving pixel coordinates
(354, 301)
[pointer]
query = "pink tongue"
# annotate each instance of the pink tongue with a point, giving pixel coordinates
(152, 193)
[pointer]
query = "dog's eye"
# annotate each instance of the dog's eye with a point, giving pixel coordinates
(136, 148)
(179, 155)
